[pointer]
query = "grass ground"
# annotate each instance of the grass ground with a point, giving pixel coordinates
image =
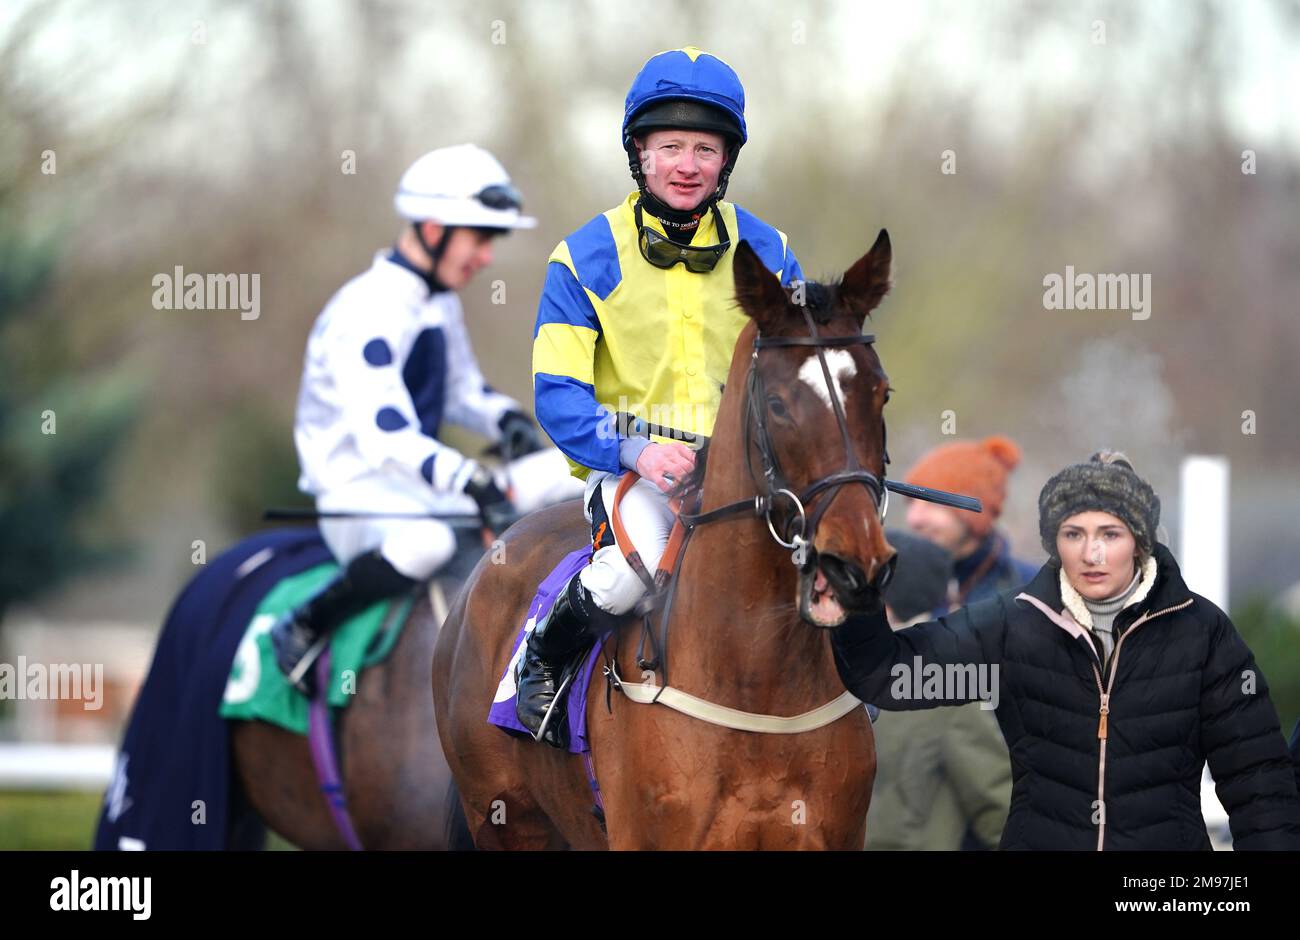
(48, 820)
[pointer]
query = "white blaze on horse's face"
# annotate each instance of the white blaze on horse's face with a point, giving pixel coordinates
(842, 368)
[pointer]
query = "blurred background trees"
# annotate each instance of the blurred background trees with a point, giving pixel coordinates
(60, 431)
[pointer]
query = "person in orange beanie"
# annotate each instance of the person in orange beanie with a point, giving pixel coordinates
(982, 559)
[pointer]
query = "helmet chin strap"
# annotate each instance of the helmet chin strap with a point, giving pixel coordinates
(675, 221)
(435, 253)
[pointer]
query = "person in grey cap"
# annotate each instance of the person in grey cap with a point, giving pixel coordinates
(1114, 683)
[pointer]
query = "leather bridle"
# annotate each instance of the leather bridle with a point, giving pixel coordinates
(773, 484)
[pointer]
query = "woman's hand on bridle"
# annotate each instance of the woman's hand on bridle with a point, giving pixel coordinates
(665, 465)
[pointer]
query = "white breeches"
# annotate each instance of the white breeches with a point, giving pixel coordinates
(648, 520)
(415, 547)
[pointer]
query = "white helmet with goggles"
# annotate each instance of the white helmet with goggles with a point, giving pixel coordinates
(462, 185)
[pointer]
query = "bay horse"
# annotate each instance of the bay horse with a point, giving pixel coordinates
(799, 427)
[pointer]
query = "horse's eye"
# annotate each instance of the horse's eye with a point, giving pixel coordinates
(777, 407)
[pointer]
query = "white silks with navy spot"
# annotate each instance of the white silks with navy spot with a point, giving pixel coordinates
(386, 364)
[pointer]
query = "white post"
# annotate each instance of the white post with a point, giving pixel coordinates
(1203, 553)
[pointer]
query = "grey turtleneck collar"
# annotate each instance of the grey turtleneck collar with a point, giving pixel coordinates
(1104, 611)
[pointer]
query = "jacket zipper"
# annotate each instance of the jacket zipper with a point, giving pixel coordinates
(1104, 710)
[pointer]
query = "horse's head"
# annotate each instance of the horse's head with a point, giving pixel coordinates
(814, 428)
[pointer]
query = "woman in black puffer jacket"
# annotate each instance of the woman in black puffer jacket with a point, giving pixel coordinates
(1113, 684)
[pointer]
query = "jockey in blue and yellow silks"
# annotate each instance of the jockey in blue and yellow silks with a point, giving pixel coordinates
(614, 330)
(638, 315)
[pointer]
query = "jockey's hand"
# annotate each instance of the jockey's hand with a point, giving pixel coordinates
(519, 436)
(494, 506)
(665, 465)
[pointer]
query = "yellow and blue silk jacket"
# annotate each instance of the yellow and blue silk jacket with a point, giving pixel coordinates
(614, 333)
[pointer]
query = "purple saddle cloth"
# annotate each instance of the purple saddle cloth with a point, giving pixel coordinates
(502, 712)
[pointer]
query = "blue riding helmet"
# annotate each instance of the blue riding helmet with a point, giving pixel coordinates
(686, 88)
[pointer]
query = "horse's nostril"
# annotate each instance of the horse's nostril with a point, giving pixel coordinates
(849, 574)
(847, 577)
(886, 573)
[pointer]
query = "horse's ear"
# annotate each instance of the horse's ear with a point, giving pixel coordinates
(867, 282)
(758, 290)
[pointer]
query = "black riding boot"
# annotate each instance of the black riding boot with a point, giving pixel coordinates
(365, 580)
(566, 630)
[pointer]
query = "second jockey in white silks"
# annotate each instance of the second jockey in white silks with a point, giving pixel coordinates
(388, 361)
